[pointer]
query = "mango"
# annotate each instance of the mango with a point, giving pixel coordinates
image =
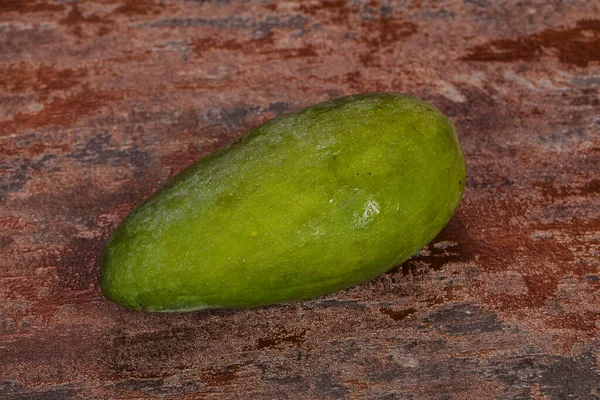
(304, 205)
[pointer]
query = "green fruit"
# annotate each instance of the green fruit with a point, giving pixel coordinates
(304, 205)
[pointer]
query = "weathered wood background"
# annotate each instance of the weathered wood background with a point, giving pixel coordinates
(102, 101)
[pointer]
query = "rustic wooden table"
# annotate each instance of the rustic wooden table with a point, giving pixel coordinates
(103, 101)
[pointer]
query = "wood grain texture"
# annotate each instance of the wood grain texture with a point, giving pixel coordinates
(103, 101)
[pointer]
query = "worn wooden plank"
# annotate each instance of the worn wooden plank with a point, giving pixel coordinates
(102, 101)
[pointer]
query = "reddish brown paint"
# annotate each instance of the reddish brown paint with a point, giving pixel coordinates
(260, 46)
(60, 112)
(102, 101)
(29, 6)
(398, 315)
(281, 338)
(139, 7)
(578, 46)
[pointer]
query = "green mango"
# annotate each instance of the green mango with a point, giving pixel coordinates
(304, 205)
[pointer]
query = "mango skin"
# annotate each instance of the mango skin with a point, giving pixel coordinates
(304, 205)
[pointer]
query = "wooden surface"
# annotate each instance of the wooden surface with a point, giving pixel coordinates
(102, 101)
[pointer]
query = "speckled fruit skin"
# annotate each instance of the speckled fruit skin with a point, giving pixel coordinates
(304, 205)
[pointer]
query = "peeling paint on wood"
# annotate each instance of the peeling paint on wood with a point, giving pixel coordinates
(103, 101)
